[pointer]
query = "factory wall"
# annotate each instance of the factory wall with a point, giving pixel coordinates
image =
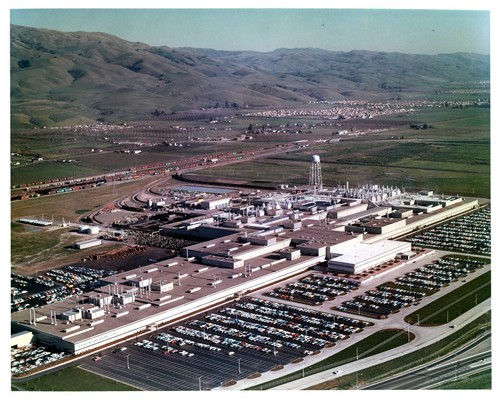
(215, 204)
(21, 339)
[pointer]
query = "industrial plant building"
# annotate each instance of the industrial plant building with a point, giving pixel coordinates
(276, 238)
(363, 256)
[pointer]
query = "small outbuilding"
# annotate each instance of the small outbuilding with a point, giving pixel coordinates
(88, 243)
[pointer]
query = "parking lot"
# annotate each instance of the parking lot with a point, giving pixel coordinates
(258, 334)
(31, 357)
(469, 233)
(408, 289)
(52, 286)
(314, 289)
(237, 341)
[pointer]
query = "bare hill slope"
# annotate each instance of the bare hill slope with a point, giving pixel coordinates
(66, 78)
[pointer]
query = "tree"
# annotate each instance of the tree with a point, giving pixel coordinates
(24, 63)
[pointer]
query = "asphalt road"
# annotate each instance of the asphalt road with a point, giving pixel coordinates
(441, 371)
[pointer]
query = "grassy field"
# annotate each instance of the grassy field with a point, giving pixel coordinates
(29, 245)
(71, 379)
(44, 170)
(481, 380)
(452, 157)
(71, 205)
(32, 248)
(377, 343)
(44, 249)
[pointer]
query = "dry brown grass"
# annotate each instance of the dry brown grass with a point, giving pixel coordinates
(71, 206)
(46, 249)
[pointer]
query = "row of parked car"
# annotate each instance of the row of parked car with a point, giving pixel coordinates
(244, 325)
(176, 340)
(299, 295)
(304, 323)
(366, 308)
(439, 273)
(405, 299)
(150, 345)
(315, 289)
(402, 292)
(306, 314)
(386, 300)
(234, 339)
(470, 233)
(30, 357)
(346, 285)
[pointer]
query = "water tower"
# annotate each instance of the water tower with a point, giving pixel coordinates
(315, 178)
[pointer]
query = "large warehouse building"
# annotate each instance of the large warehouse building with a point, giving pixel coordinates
(256, 252)
(363, 256)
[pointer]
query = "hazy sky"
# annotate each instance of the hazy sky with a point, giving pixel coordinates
(429, 31)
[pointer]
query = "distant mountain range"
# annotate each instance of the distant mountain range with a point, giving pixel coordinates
(60, 78)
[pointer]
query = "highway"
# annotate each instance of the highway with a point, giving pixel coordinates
(449, 368)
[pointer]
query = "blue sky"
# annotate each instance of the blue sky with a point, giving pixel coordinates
(419, 31)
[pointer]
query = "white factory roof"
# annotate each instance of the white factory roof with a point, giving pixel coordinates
(360, 252)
